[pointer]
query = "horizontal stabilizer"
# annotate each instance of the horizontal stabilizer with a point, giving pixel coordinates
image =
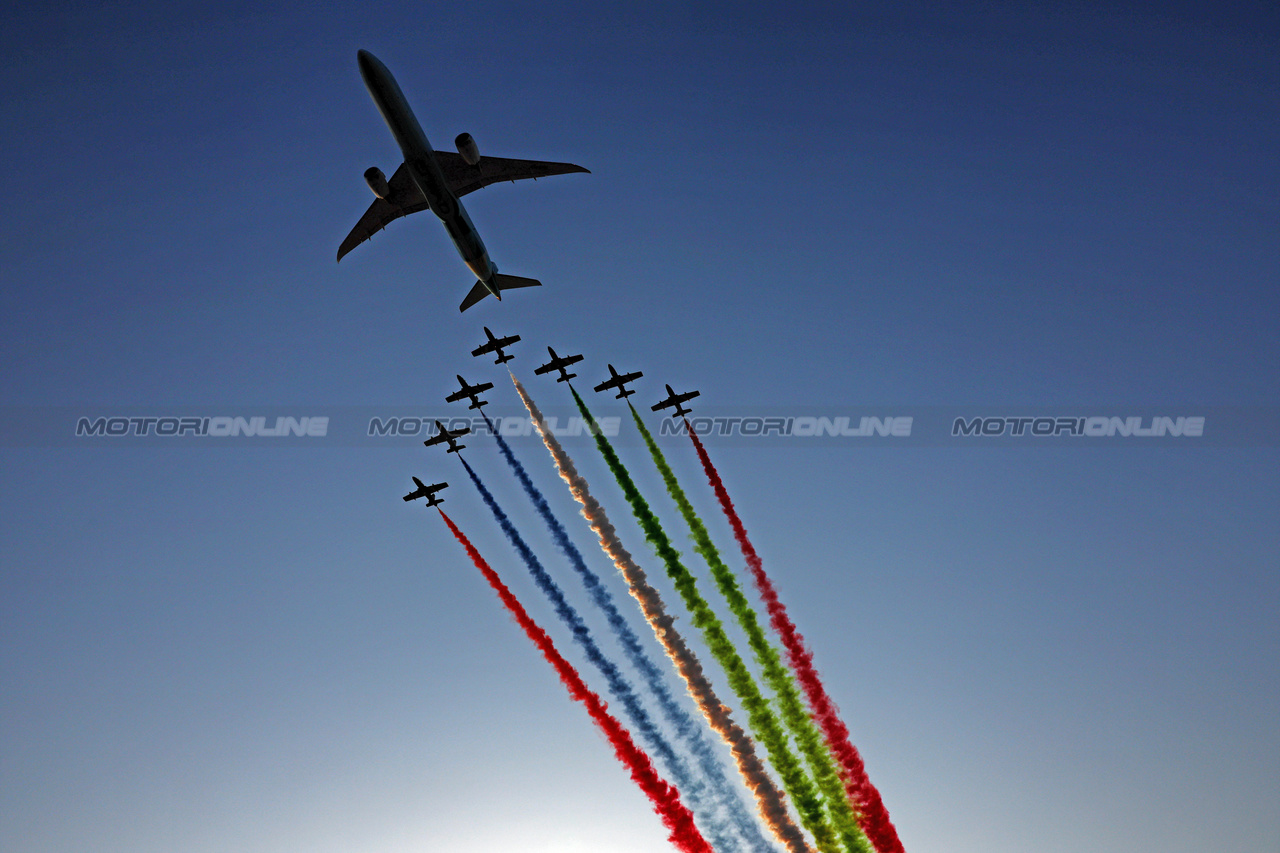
(504, 282)
(509, 282)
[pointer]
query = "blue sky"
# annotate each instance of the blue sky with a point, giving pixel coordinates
(907, 205)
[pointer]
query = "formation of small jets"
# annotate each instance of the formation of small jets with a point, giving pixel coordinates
(558, 364)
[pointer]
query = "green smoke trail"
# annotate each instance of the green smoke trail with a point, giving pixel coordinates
(776, 674)
(764, 724)
(770, 801)
(872, 815)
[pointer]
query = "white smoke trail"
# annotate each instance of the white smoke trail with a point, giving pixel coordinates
(769, 799)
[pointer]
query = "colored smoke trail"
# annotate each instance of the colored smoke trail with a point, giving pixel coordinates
(776, 675)
(691, 787)
(875, 817)
(618, 684)
(764, 725)
(666, 801)
(769, 800)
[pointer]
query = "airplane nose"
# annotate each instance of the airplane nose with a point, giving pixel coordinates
(370, 65)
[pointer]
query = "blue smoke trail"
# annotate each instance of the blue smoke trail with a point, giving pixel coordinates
(618, 685)
(689, 731)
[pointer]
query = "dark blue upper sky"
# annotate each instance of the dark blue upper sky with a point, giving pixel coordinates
(902, 205)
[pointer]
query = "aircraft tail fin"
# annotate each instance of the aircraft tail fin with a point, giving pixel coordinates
(504, 282)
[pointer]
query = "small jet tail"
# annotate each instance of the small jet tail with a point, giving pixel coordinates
(503, 282)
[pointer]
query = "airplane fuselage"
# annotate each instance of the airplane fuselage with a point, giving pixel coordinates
(420, 161)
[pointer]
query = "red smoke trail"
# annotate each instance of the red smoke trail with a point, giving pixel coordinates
(666, 800)
(874, 818)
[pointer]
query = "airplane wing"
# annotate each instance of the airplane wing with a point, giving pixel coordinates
(405, 198)
(456, 396)
(463, 179)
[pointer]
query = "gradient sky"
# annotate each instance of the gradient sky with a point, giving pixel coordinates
(911, 205)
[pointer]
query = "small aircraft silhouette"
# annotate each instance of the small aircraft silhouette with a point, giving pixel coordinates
(558, 363)
(496, 345)
(470, 391)
(620, 382)
(443, 436)
(674, 399)
(428, 492)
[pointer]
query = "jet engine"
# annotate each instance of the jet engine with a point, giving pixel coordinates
(377, 182)
(468, 149)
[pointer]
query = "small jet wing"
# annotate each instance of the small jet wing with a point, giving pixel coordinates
(674, 399)
(463, 179)
(428, 492)
(557, 362)
(405, 198)
(446, 437)
(443, 434)
(467, 390)
(619, 381)
(494, 343)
